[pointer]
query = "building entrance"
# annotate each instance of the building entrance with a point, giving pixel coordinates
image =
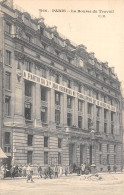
(72, 154)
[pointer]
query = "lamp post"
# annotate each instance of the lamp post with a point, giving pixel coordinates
(92, 137)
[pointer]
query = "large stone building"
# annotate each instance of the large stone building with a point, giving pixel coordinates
(58, 103)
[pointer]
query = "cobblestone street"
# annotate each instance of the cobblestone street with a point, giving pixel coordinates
(70, 185)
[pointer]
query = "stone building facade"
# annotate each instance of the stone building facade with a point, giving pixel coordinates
(61, 105)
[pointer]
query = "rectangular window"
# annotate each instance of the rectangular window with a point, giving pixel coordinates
(43, 73)
(105, 127)
(8, 57)
(69, 119)
(115, 148)
(7, 137)
(112, 129)
(44, 94)
(27, 111)
(57, 117)
(69, 101)
(89, 123)
(8, 27)
(107, 158)
(68, 83)
(89, 108)
(100, 159)
(44, 114)
(105, 114)
(57, 79)
(46, 139)
(115, 159)
(112, 116)
(80, 106)
(57, 98)
(46, 158)
(7, 80)
(28, 66)
(7, 105)
(97, 111)
(30, 140)
(107, 147)
(105, 99)
(28, 37)
(59, 158)
(80, 121)
(97, 126)
(79, 88)
(59, 143)
(28, 86)
(120, 118)
(100, 147)
(29, 157)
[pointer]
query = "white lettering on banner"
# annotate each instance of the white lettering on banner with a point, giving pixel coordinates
(47, 83)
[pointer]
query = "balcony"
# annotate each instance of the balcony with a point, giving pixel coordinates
(75, 130)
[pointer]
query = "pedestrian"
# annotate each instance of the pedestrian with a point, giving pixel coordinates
(115, 168)
(39, 169)
(56, 171)
(24, 171)
(29, 173)
(66, 170)
(12, 171)
(60, 170)
(83, 166)
(109, 168)
(3, 172)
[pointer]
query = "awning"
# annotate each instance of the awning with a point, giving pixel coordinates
(2, 154)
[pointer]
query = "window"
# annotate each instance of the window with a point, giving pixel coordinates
(120, 118)
(105, 99)
(44, 114)
(28, 88)
(69, 119)
(115, 148)
(43, 73)
(57, 117)
(7, 80)
(100, 147)
(59, 158)
(30, 140)
(80, 106)
(97, 111)
(68, 83)
(57, 79)
(44, 94)
(57, 98)
(8, 58)
(41, 30)
(7, 105)
(115, 159)
(8, 28)
(28, 66)
(80, 121)
(46, 141)
(46, 158)
(105, 114)
(107, 158)
(89, 108)
(96, 95)
(7, 137)
(105, 127)
(59, 143)
(89, 123)
(69, 101)
(107, 147)
(112, 116)
(29, 157)
(112, 129)
(97, 126)
(28, 37)
(27, 111)
(79, 88)
(100, 159)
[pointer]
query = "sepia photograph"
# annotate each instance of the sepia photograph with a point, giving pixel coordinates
(61, 97)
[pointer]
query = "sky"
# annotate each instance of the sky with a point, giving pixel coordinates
(102, 33)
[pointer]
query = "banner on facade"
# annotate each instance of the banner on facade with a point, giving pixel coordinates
(50, 84)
